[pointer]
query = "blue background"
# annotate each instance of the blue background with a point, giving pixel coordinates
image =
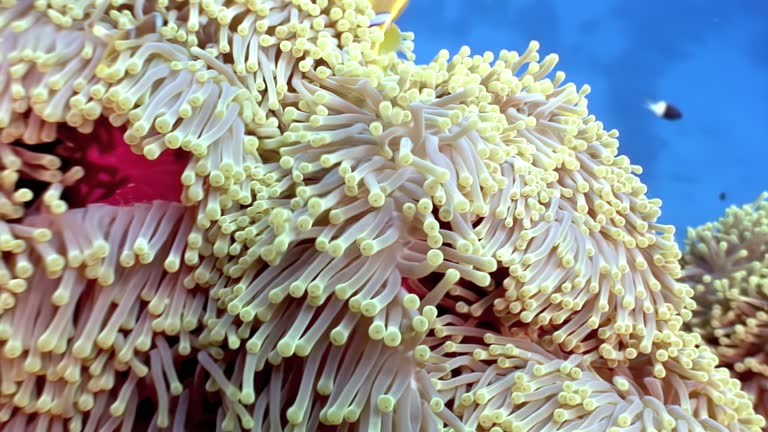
(709, 58)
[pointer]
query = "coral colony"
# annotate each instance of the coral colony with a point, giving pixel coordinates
(264, 215)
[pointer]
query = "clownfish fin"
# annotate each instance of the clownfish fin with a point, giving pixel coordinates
(387, 11)
(380, 19)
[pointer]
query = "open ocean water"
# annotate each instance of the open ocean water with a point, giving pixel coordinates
(708, 58)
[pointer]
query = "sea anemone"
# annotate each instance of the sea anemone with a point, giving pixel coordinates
(725, 262)
(359, 242)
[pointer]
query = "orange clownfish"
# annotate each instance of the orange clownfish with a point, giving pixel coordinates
(387, 11)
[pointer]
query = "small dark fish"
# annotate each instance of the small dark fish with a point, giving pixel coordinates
(722, 196)
(664, 110)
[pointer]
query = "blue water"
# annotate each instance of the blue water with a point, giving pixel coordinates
(709, 58)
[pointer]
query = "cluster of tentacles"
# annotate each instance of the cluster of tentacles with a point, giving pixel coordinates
(726, 263)
(248, 215)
